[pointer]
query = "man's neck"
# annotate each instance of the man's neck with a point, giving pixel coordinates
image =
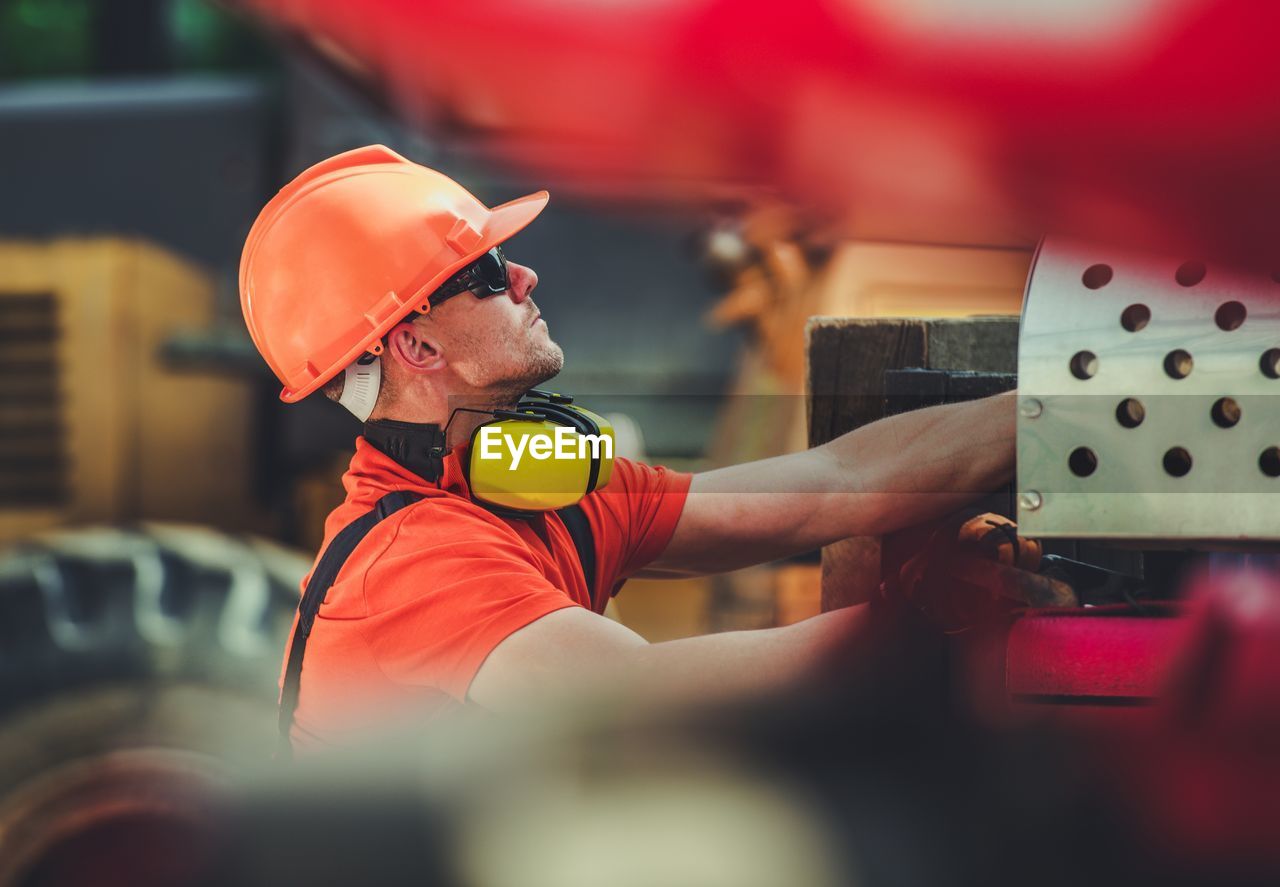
(459, 416)
(465, 416)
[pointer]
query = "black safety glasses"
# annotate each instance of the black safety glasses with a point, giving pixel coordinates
(485, 277)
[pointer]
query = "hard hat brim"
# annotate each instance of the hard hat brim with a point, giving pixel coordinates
(510, 218)
(505, 221)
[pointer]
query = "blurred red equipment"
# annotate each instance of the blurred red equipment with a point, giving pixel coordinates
(1133, 123)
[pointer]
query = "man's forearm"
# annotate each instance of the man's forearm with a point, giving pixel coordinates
(882, 477)
(920, 465)
(739, 663)
(575, 653)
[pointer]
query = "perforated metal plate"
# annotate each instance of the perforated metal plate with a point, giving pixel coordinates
(1147, 399)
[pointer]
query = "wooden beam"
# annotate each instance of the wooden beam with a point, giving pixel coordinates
(846, 359)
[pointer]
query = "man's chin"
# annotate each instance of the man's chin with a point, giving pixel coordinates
(543, 366)
(548, 366)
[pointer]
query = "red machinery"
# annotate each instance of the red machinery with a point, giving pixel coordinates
(1131, 123)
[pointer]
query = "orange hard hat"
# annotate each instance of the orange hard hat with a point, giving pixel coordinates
(351, 247)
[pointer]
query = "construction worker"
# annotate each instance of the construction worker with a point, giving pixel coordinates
(383, 284)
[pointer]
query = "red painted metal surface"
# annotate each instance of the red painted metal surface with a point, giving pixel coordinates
(1202, 778)
(1132, 123)
(1084, 654)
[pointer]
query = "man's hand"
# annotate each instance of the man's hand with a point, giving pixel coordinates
(898, 472)
(966, 569)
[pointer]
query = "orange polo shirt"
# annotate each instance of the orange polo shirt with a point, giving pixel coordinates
(435, 587)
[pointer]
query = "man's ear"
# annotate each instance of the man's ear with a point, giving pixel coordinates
(411, 348)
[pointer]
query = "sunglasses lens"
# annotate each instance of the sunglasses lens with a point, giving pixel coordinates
(485, 277)
(491, 270)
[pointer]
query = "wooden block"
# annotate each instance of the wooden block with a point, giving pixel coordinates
(847, 360)
(980, 344)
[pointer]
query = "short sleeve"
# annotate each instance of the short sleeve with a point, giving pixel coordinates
(633, 518)
(445, 593)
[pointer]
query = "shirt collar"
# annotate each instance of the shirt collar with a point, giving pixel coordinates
(376, 468)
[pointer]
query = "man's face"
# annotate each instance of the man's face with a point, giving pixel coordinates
(498, 346)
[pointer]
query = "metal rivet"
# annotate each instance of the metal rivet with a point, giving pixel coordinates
(1031, 500)
(1030, 408)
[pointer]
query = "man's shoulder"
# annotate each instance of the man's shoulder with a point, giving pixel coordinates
(432, 534)
(433, 520)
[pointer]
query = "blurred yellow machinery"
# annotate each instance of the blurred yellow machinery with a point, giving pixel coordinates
(93, 426)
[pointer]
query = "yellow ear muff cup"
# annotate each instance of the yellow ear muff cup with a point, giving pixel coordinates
(548, 458)
(598, 431)
(603, 429)
(529, 464)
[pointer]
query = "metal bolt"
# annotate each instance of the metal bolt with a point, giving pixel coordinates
(1031, 500)
(1030, 408)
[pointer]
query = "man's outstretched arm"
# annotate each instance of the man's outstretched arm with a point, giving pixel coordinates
(574, 650)
(891, 474)
(888, 475)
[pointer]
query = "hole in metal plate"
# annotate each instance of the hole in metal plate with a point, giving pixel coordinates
(1177, 461)
(1084, 364)
(1189, 273)
(1082, 462)
(1178, 364)
(1130, 412)
(1096, 276)
(1230, 316)
(1269, 461)
(1225, 412)
(1135, 317)
(1270, 363)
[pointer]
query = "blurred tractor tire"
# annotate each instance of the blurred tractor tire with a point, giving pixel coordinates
(139, 672)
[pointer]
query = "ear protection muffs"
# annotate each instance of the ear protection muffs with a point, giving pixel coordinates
(544, 455)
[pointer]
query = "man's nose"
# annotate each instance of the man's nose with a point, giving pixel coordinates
(522, 280)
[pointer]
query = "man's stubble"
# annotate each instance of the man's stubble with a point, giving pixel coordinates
(508, 376)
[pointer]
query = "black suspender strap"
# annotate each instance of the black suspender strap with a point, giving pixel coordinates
(331, 562)
(322, 578)
(575, 521)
